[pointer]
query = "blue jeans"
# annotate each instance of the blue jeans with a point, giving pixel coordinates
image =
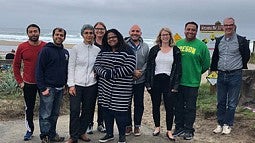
(228, 91)
(49, 112)
(138, 95)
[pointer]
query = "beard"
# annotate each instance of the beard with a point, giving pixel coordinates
(34, 38)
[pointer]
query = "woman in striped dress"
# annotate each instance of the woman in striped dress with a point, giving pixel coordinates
(114, 67)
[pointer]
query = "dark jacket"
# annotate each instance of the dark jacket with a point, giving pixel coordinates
(175, 75)
(243, 48)
(51, 68)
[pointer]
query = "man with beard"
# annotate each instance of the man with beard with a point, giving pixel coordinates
(27, 53)
(51, 78)
(141, 51)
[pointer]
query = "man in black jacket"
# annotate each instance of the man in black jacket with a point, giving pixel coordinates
(51, 77)
(230, 56)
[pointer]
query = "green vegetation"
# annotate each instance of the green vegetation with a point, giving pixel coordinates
(252, 59)
(8, 85)
(206, 101)
(207, 104)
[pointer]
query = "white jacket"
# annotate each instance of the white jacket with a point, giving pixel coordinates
(80, 67)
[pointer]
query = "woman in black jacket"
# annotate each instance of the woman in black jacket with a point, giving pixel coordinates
(162, 77)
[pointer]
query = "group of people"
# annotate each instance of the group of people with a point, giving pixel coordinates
(112, 70)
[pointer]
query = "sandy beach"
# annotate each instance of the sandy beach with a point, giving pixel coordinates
(14, 44)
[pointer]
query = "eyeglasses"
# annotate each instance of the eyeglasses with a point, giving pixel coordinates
(135, 31)
(164, 35)
(230, 25)
(113, 37)
(102, 29)
(86, 33)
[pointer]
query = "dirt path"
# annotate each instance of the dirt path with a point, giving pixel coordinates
(243, 130)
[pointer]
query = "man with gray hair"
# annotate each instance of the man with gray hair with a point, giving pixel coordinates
(230, 56)
(82, 84)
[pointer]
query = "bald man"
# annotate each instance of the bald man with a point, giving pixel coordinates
(141, 51)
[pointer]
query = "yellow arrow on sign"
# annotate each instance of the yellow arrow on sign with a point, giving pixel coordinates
(177, 37)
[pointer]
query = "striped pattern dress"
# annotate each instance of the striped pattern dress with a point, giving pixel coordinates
(115, 79)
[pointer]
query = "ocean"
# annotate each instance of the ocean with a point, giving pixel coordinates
(73, 37)
(19, 35)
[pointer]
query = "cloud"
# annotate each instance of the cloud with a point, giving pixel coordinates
(121, 14)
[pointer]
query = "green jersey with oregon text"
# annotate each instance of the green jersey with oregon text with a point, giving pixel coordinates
(195, 61)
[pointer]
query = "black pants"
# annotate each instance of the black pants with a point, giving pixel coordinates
(100, 119)
(138, 96)
(81, 109)
(161, 86)
(30, 91)
(119, 116)
(185, 108)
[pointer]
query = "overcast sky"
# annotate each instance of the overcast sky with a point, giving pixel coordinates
(151, 15)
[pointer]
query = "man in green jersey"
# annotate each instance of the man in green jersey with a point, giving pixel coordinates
(195, 61)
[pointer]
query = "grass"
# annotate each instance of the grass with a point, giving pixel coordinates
(252, 59)
(207, 104)
(206, 101)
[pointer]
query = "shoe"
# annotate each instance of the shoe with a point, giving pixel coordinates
(122, 139)
(57, 138)
(137, 131)
(226, 129)
(101, 128)
(156, 132)
(178, 132)
(188, 136)
(106, 138)
(71, 141)
(170, 138)
(45, 139)
(84, 138)
(128, 130)
(28, 136)
(218, 129)
(90, 129)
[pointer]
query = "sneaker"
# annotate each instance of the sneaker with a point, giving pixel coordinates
(90, 129)
(218, 129)
(178, 132)
(137, 131)
(122, 139)
(28, 136)
(128, 131)
(188, 136)
(106, 138)
(45, 139)
(226, 129)
(57, 138)
(101, 128)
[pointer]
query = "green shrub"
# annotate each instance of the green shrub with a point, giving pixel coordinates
(8, 85)
(206, 101)
(252, 59)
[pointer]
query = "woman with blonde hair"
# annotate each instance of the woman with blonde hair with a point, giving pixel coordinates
(163, 66)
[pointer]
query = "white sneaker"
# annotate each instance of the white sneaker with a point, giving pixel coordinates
(226, 129)
(218, 129)
(90, 129)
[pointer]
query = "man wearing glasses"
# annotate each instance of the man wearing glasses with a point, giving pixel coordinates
(230, 56)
